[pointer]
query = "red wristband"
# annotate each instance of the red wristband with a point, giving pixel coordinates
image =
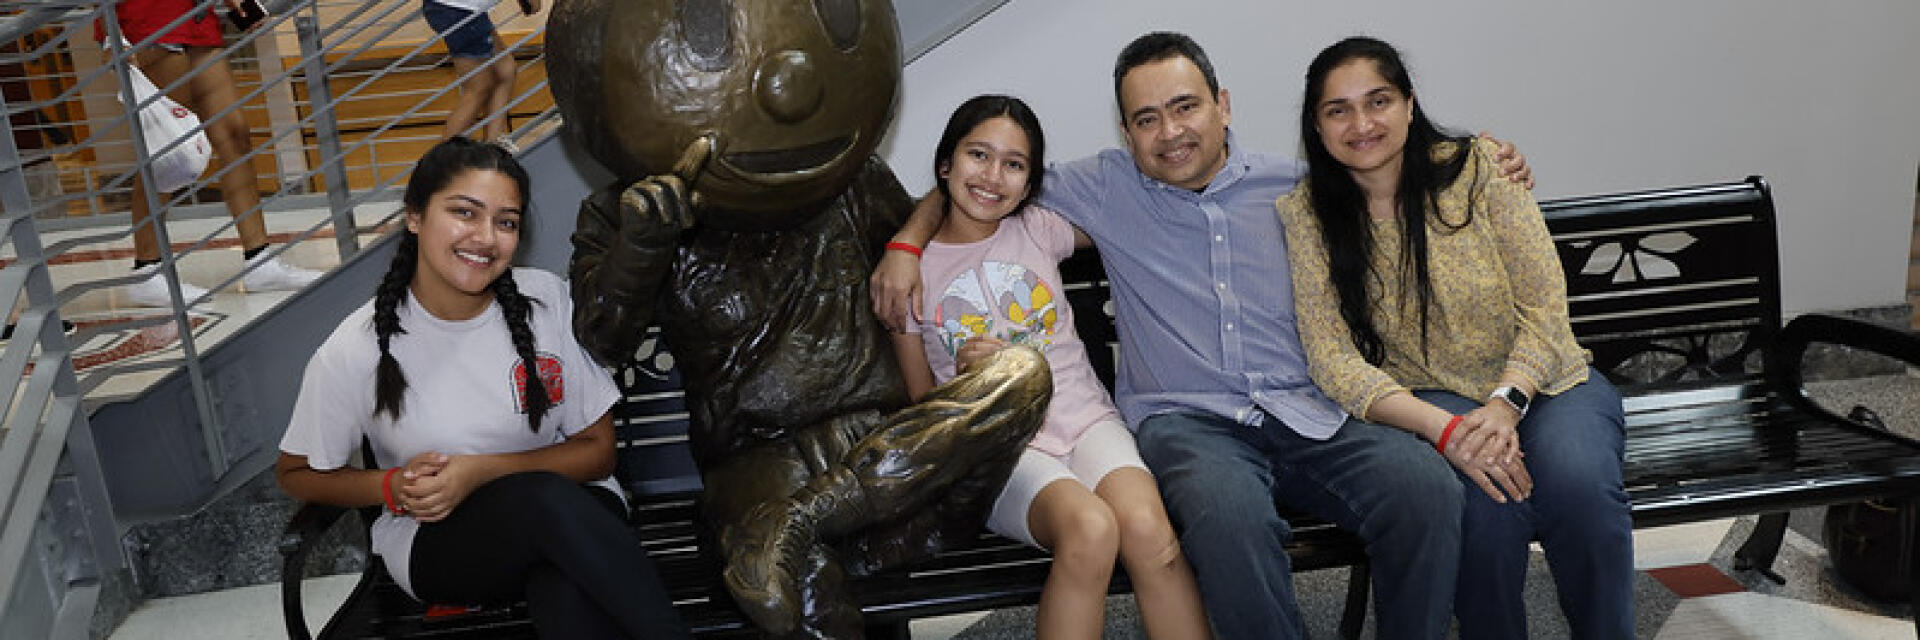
(902, 246)
(1441, 444)
(386, 491)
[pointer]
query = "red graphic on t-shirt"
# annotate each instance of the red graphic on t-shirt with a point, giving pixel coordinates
(550, 376)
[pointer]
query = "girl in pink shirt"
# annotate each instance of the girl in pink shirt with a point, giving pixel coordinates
(1080, 489)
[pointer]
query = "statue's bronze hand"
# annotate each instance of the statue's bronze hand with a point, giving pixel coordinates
(692, 162)
(667, 201)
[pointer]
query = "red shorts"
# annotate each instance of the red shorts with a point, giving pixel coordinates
(141, 18)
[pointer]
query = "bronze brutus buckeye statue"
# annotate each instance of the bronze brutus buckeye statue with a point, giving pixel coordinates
(748, 214)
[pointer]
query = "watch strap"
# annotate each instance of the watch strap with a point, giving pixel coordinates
(1514, 397)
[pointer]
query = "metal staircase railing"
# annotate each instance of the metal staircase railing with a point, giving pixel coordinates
(60, 515)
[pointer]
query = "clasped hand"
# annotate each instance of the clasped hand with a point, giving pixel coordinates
(1485, 447)
(975, 349)
(432, 484)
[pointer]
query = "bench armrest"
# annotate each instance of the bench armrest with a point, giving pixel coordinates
(1785, 355)
(304, 530)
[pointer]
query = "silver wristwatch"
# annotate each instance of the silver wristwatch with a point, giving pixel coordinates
(1515, 398)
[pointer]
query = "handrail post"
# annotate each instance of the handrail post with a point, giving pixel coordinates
(326, 131)
(210, 426)
(30, 501)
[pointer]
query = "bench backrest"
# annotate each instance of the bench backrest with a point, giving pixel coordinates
(1673, 287)
(1670, 289)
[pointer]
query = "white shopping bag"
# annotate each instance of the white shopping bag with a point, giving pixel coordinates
(162, 122)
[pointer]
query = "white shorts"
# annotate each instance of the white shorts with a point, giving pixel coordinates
(1105, 446)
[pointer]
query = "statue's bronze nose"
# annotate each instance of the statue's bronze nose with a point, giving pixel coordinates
(788, 86)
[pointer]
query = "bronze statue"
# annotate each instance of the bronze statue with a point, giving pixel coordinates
(748, 214)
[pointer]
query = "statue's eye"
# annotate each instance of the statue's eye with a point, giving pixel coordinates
(842, 19)
(707, 26)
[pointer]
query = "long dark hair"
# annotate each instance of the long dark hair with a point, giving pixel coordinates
(980, 109)
(439, 166)
(1341, 206)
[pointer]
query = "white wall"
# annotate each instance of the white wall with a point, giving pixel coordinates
(1818, 97)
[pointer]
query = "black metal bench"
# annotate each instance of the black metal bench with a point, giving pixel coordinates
(1675, 291)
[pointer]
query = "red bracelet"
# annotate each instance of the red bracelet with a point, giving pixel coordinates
(1441, 444)
(386, 491)
(902, 246)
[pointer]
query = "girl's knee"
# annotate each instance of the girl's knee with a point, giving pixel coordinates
(1149, 543)
(1143, 527)
(1087, 540)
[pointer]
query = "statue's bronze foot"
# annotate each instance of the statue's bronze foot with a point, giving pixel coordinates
(766, 555)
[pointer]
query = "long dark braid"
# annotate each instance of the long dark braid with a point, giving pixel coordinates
(517, 307)
(436, 169)
(389, 382)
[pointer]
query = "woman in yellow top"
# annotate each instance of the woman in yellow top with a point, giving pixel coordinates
(1430, 299)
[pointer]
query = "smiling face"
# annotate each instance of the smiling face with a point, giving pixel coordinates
(986, 177)
(1363, 119)
(467, 232)
(1176, 127)
(795, 93)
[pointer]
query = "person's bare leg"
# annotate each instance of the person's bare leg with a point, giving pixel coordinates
(1163, 583)
(474, 94)
(502, 70)
(1081, 532)
(212, 91)
(146, 245)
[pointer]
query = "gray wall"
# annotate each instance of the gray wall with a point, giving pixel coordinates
(1818, 97)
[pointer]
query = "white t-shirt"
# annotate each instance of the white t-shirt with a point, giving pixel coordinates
(463, 394)
(468, 5)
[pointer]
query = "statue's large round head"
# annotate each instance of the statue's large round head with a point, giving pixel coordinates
(795, 93)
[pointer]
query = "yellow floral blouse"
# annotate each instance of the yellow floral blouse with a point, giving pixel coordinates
(1499, 302)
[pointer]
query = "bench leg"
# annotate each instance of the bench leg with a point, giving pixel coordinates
(1355, 615)
(1762, 546)
(894, 630)
(1913, 568)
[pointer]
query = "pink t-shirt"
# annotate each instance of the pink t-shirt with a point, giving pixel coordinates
(1008, 286)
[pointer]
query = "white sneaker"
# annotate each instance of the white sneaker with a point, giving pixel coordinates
(151, 291)
(276, 275)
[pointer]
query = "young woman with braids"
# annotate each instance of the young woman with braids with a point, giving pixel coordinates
(493, 446)
(1430, 298)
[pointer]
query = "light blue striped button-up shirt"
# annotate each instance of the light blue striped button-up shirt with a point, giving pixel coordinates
(1203, 298)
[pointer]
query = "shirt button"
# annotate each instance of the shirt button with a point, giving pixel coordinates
(1222, 286)
(1219, 238)
(1229, 326)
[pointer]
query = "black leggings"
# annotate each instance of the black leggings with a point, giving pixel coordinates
(562, 546)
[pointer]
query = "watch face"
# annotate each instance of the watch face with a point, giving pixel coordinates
(1516, 398)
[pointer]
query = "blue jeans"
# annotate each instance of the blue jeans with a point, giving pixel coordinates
(1579, 512)
(1220, 479)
